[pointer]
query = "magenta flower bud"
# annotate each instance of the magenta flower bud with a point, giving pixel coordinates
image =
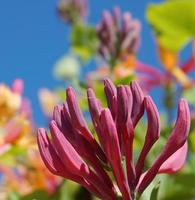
(116, 16)
(57, 115)
(94, 106)
(124, 108)
(124, 101)
(73, 152)
(111, 96)
(125, 129)
(114, 154)
(126, 22)
(95, 111)
(138, 102)
(152, 134)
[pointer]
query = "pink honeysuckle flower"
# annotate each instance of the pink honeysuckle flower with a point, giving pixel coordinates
(73, 152)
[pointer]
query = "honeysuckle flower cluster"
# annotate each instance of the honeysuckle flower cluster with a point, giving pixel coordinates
(72, 11)
(105, 166)
(119, 35)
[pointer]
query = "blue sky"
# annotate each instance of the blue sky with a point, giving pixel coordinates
(32, 38)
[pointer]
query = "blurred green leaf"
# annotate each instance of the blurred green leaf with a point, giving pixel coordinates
(186, 180)
(173, 22)
(125, 81)
(17, 150)
(9, 157)
(84, 41)
(68, 190)
(99, 91)
(178, 186)
(36, 195)
(13, 196)
(190, 95)
(154, 193)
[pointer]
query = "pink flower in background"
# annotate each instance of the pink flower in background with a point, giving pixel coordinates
(119, 35)
(73, 152)
(18, 86)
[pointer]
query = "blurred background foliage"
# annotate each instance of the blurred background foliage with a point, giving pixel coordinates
(112, 47)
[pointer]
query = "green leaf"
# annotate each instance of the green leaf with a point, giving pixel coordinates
(154, 194)
(173, 22)
(190, 95)
(13, 196)
(10, 156)
(125, 81)
(178, 186)
(36, 195)
(84, 41)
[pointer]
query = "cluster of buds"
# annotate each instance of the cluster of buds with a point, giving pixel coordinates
(119, 35)
(106, 167)
(72, 11)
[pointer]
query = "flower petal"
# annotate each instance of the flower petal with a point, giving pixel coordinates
(175, 162)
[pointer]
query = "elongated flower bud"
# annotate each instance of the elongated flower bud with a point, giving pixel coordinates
(152, 135)
(138, 102)
(176, 140)
(111, 96)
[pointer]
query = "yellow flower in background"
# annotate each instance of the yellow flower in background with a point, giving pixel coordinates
(126, 67)
(48, 100)
(10, 103)
(169, 60)
(20, 163)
